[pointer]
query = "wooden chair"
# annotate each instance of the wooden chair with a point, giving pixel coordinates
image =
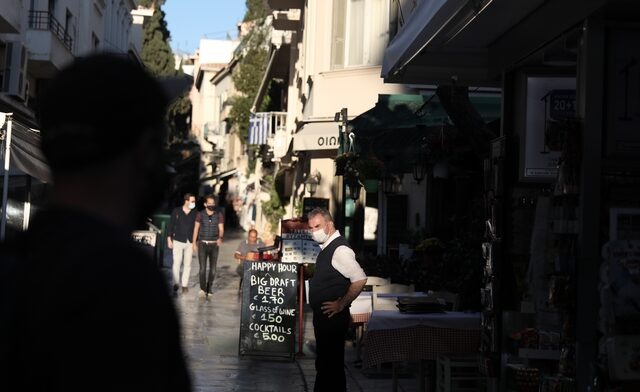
(457, 372)
(377, 281)
(372, 281)
(389, 303)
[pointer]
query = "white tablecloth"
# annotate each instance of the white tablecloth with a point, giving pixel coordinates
(391, 319)
(396, 295)
(362, 304)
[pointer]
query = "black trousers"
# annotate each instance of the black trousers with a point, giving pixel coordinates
(207, 252)
(330, 334)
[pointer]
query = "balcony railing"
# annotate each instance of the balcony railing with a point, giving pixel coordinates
(263, 126)
(44, 20)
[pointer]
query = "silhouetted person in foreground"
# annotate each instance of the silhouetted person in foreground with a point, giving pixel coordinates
(83, 308)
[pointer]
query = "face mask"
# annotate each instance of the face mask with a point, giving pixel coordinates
(192, 206)
(320, 236)
(210, 208)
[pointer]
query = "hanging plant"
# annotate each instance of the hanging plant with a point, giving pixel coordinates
(369, 168)
(431, 244)
(273, 208)
(342, 160)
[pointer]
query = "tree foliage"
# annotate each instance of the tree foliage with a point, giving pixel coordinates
(255, 10)
(151, 3)
(158, 58)
(273, 209)
(156, 52)
(251, 67)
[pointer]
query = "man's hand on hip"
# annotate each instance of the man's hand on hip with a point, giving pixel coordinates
(331, 308)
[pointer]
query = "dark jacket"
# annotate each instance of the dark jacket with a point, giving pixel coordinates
(181, 225)
(88, 310)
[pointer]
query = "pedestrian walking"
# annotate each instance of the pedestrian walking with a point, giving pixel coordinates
(180, 232)
(247, 250)
(337, 281)
(82, 307)
(208, 234)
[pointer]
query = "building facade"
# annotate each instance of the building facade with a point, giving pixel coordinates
(560, 176)
(210, 98)
(329, 67)
(37, 39)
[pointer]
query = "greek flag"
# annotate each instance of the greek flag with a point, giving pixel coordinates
(259, 128)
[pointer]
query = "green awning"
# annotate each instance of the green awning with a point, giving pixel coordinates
(399, 123)
(398, 111)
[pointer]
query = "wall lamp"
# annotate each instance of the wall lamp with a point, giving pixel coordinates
(312, 181)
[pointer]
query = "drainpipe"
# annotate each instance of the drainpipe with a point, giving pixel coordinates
(5, 185)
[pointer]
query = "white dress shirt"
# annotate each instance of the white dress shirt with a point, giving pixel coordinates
(344, 260)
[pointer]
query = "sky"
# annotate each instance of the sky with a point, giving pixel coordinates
(191, 20)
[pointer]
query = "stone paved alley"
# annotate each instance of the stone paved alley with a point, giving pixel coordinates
(210, 330)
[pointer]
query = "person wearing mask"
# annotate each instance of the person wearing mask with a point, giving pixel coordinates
(180, 232)
(82, 307)
(207, 238)
(337, 281)
(247, 250)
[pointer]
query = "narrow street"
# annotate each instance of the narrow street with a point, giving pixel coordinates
(210, 332)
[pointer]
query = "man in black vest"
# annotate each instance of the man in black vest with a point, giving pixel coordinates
(337, 281)
(207, 238)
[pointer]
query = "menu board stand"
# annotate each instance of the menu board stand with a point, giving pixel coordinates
(299, 247)
(300, 352)
(269, 299)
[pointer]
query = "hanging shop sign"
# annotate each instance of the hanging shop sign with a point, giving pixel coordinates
(549, 100)
(623, 94)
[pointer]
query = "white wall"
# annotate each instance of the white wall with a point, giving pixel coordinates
(324, 91)
(355, 88)
(214, 51)
(13, 16)
(109, 20)
(208, 110)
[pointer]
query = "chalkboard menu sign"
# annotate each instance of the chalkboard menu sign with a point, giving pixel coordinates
(269, 302)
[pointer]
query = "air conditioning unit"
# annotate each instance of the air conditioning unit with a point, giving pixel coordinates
(15, 69)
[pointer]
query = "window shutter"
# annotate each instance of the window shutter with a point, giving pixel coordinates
(338, 33)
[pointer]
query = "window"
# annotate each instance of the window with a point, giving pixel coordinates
(360, 32)
(95, 41)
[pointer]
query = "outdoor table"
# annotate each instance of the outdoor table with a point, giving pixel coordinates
(361, 307)
(392, 336)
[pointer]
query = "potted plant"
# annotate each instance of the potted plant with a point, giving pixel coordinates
(370, 170)
(342, 160)
(429, 248)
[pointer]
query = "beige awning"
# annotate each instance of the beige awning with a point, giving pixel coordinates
(317, 136)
